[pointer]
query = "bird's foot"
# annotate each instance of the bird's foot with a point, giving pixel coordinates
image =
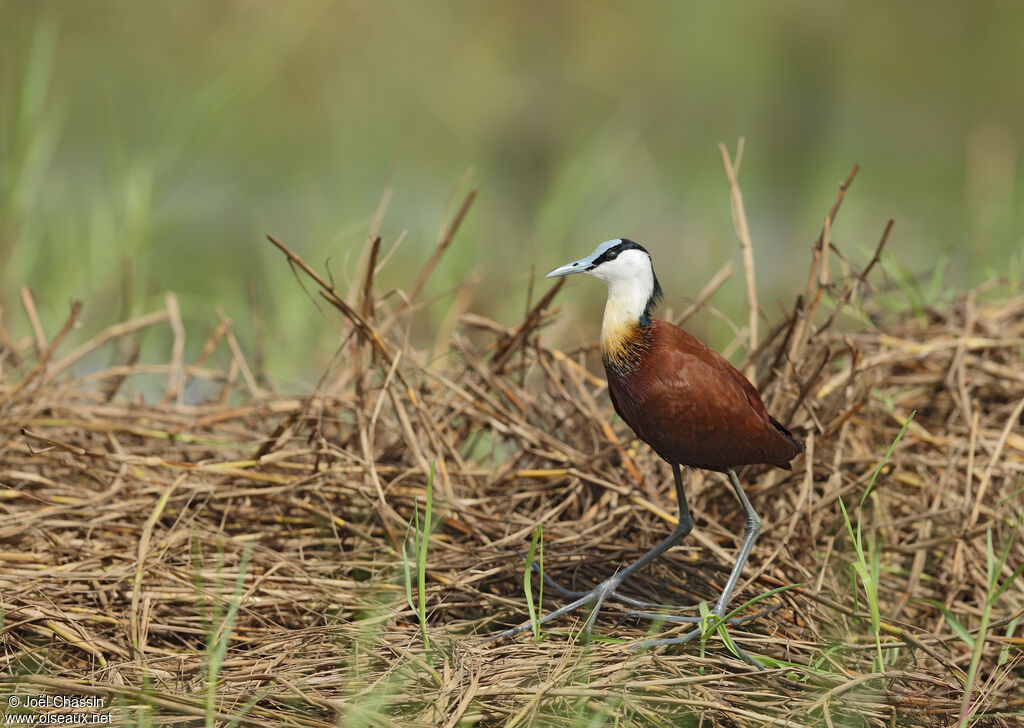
(606, 589)
(629, 601)
(707, 626)
(693, 618)
(641, 608)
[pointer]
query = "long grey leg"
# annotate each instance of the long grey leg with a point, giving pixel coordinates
(751, 529)
(682, 528)
(607, 588)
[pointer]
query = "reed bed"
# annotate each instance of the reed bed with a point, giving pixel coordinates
(216, 551)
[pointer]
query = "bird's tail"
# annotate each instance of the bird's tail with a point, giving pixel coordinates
(789, 436)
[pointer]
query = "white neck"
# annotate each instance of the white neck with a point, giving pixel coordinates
(630, 281)
(622, 311)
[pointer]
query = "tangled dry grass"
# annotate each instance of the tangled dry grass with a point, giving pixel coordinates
(221, 552)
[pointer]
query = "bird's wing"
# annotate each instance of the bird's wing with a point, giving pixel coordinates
(694, 408)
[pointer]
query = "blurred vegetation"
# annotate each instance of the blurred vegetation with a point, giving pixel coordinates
(147, 147)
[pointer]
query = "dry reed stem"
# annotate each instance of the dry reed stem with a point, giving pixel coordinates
(739, 219)
(33, 317)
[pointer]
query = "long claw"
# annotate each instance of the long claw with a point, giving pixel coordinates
(556, 586)
(689, 637)
(543, 620)
(656, 616)
(697, 631)
(629, 601)
(686, 619)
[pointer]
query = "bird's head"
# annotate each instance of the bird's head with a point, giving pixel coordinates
(626, 269)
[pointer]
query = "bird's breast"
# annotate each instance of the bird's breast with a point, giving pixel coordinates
(624, 343)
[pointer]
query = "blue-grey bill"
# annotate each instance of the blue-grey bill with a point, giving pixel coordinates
(577, 266)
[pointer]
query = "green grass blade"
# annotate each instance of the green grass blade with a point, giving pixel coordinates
(1009, 580)
(991, 570)
(849, 526)
(888, 454)
(972, 670)
(867, 566)
(1004, 653)
(405, 565)
(954, 623)
(540, 565)
(760, 597)
(528, 582)
(421, 560)
(1004, 554)
(218, 639)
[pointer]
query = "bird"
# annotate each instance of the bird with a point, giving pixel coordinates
(683, 399)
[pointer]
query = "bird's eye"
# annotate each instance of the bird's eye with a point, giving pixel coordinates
(612, 254)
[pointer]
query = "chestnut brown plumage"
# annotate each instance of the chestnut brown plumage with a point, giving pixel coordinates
(685, 401)
(693, 407)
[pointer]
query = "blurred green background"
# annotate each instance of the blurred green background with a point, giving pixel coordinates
(147, 147)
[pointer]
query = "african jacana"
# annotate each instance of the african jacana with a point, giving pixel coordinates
(681, 398)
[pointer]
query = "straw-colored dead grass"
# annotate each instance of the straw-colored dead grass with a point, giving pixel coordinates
(126, 524)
